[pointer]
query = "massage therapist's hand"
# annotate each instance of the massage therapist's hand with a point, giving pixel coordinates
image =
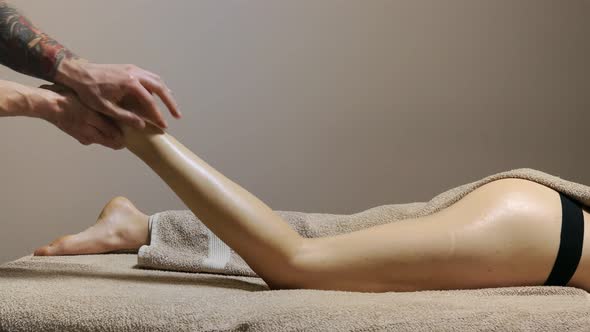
(62, 108)
(102, 87)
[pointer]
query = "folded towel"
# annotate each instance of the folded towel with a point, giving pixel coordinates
(181, 242)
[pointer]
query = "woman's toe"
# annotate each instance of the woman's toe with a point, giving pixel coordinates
(78, 244)
(54, 248)
(42, 251)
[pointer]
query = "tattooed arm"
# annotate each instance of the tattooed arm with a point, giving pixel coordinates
(101, 87)
(26, 49)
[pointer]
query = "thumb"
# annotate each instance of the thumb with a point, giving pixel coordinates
(56, 88)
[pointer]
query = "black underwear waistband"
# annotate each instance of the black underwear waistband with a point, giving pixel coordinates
(570, 246)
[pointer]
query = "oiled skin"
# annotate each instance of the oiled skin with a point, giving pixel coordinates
(505, 233)
(250, 227)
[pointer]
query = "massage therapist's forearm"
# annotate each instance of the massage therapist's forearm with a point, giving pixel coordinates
(20, 100)
(25, 48)
(239, 218)
(62, 109)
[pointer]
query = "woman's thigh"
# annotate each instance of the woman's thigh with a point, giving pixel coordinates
(505, 233)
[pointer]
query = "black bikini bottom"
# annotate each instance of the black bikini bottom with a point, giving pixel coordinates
(570, 246)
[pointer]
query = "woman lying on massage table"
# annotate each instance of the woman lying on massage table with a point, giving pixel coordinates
(463, 246)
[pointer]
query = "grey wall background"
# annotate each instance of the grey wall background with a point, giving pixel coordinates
(318, 106)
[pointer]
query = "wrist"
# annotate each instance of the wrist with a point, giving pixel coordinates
(71, 72)
(40, 103)
(45, 104)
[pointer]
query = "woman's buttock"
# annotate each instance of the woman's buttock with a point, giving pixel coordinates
(507, 233)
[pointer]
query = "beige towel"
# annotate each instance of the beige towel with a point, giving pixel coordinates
(181, 242)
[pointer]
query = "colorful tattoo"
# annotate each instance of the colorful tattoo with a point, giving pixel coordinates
(25, 48)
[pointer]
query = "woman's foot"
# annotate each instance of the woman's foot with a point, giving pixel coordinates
(120, 226)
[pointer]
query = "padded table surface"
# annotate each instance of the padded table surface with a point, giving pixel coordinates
(110, 293)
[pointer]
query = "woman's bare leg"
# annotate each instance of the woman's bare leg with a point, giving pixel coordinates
(251, 228)
(503, 234)
(265, 241)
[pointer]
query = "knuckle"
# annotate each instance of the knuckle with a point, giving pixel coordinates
(138, 89)
(89, 138)
(129, 82)
(83, 141)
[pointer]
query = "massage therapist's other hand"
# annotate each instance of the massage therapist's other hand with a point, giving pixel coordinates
(62, 108)
(102, 87)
